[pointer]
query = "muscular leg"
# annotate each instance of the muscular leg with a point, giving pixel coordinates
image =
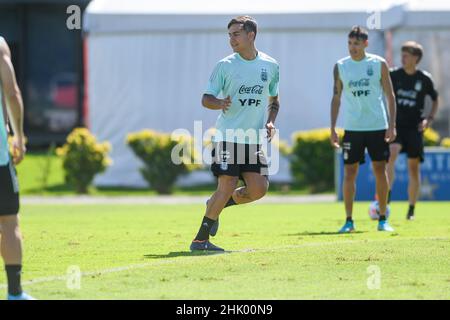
(382, 185)
(414, 180)
(225, 188)
(11, 251)
(256, 187)
(349, 186)
(11, 240)
(215, 205)
(395, 149)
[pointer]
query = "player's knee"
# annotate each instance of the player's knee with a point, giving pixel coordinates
(259, 191)
(414, 169)
(227, 184)
(379, 168)
(350, 174)
(10, 222)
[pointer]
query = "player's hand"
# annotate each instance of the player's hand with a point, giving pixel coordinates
(225, 104)
(18, 149)
(391, 134)
(334, 139)
(270, 130)
(424, 124)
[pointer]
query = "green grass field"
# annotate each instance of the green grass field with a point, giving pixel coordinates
(277, 252)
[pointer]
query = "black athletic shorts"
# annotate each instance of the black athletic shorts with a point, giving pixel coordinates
(232, 159)
(411, 140)
(9, 191)
(355, 143)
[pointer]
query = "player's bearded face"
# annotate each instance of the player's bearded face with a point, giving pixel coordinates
(239, 38)
(356, 47)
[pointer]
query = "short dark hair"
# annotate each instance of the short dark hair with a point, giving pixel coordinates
(413, 48)
(359, 33)
(248, 23)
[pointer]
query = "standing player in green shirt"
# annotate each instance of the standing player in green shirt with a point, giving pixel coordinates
(247, 81)
(363, 78)
(11, 239)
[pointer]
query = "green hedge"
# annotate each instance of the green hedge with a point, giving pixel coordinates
(83, 158)
(155, 150)
(312, 159)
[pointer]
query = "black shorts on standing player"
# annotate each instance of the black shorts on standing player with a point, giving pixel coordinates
(232, 159)
(411, 141)
(9, 195)
(355, 143)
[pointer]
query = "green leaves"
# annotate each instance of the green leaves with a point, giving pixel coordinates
(83, 158)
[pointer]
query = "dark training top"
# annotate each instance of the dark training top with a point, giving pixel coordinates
(410, 92)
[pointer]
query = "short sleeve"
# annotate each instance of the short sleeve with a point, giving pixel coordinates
(431, 89)
(273, 86)
(216, 81)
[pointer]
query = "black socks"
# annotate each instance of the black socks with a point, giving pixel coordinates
(13, 273)
(203, 233)
(230, 202)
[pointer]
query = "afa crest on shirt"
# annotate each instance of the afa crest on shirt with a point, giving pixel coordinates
(369, 70)
(418, 86)
(263, 75)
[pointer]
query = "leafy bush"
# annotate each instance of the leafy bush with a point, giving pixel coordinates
(445, 142)
(312, 159)
(431, 138)
(165, 158)
(83, 158)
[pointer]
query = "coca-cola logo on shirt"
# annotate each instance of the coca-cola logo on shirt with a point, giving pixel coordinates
(257, 89)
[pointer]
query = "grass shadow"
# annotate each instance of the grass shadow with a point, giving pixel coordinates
(322, 233)
(184, 254)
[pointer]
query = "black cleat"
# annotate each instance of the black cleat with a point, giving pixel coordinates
(204, 245)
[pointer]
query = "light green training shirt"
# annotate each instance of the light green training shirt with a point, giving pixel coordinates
(364, 109)
(249, 83)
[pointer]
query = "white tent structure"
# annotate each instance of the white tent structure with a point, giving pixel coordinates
(148, 62)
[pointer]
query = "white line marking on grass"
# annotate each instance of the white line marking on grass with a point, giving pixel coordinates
(173, 260)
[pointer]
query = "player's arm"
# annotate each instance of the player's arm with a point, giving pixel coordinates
(335, 105)
(13, 99)
(211, 102)
(434, 107)
(274, 107)
(386, 82)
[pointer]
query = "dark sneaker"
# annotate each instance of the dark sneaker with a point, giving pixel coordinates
(204, 245)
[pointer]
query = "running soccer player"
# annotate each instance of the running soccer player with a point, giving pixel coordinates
(11, 239)
(248, 81)
(363, 78)
(411, 85)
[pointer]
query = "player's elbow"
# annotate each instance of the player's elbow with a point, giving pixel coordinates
(13, 93)
(335, 102)
(205, 101)
(392, 100)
